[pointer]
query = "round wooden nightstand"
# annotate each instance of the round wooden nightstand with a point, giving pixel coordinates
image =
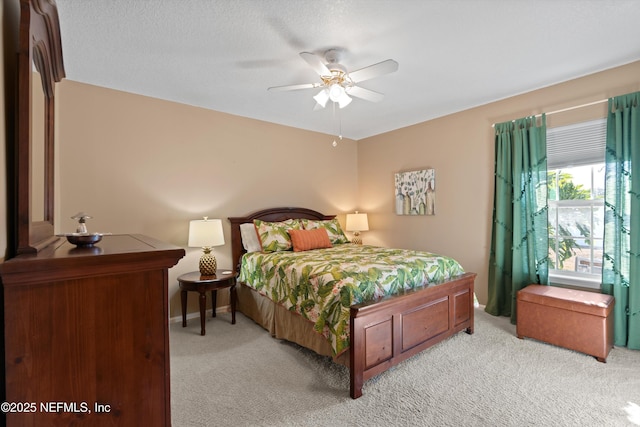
(194, 281)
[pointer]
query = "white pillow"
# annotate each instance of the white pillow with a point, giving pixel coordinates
(250, 240)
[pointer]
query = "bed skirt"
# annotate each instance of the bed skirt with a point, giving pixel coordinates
(284, 324)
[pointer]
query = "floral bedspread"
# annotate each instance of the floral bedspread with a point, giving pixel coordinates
(322, 284)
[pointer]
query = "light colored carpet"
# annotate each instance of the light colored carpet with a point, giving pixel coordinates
(237, 375)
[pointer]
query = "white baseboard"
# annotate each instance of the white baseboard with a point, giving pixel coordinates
(196, 314)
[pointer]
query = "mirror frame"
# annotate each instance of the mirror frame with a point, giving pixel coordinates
(40, 45)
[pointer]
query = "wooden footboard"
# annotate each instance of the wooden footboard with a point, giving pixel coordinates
(385, 333)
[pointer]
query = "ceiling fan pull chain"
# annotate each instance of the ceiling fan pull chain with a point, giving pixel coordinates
(335, 143)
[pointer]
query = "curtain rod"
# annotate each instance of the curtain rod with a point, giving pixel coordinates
(575, 107)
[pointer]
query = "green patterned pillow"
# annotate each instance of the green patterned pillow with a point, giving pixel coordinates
(274, 236)
(336, 235)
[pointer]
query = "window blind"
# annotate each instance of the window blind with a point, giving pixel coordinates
(577, 144)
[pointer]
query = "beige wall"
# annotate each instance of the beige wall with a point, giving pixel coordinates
(141, 165)
(461, 147)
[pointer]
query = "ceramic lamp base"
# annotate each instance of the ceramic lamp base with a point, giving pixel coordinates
(357, 240)
(208, 265)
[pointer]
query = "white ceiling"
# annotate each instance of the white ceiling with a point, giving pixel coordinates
(453, 54)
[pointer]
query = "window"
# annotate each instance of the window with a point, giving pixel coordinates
(576, 170)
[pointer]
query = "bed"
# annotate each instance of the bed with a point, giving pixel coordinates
(382, 332)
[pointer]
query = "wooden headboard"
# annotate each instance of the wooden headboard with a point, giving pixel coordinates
(272, 215)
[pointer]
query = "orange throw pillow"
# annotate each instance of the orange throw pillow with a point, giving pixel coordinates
(304, 240)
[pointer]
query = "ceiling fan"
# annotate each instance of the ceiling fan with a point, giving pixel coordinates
(337, 82)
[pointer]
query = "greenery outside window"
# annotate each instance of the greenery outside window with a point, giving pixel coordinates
(576, 224)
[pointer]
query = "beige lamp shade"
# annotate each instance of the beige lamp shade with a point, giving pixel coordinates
(206, 233)
(357, 222)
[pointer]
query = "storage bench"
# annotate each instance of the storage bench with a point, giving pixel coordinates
(577, 320)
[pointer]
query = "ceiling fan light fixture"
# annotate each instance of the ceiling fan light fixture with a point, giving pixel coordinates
(336, 92)
(344, 100)
(322, 97)
(336, 82)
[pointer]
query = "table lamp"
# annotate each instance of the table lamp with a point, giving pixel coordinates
(206, 233)
(357, 222)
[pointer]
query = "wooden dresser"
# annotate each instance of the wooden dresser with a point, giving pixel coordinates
(86, 334)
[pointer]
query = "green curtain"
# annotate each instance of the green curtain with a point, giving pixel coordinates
(621, 258)
(519, 238)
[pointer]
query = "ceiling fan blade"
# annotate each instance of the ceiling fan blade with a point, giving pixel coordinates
(295, 87)
(316, 63)
(375, 70)
(366, 94)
